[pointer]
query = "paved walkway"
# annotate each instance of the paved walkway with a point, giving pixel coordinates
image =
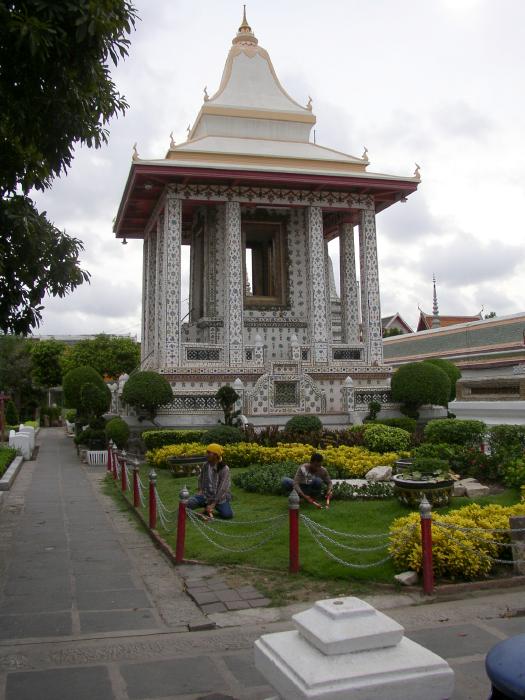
(90, 609)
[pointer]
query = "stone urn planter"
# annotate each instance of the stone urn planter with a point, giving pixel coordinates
(409, 490)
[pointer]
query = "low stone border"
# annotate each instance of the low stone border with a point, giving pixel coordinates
(10, 474)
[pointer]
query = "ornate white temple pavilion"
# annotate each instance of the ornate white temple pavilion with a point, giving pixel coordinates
(258, 202)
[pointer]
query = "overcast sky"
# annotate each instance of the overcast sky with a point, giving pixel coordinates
(440, 83)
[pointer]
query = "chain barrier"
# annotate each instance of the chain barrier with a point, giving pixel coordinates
(141, 491)
(451, 526)
(203, 528)
(354, 535)
(319, 532)
(448, 526)
(477, 551)
(210, 526)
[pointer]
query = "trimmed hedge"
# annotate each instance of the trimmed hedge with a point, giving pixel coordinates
(7, 455)
(146, 392)
(73, 382)
(383, 438)
(223, 434)
(450, 370)
(153, 439)
(117, 430)
(455, 432)
(405, 423)
(418, 383)
(304, 424)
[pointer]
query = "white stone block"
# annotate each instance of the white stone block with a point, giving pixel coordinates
(476, 490)
(29, 430)
(341, 625)
(299, 671)
(12, 438)
(406, 578)
(379, 474)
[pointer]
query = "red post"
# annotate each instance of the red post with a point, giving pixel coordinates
(425, 511)
(114, 459)
(136, 492)
(110, 461)
(152, 499)
(181, 525)
(123, 475)
(293, 519)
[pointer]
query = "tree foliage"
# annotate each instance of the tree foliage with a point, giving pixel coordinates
(94, 400)
(227, 397)
(109, 355)
(418, 383)
(15, 374)
(55, 92)
(45, 362)
(75, 380)
(146, 392)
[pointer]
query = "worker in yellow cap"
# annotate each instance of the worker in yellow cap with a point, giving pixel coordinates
(214, 485)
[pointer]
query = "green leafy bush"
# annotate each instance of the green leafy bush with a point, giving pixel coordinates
(405, 423)
(73, 382)
(383, 438)
(373, 409)
(507, 443)
(117, 430)
(153, 439)
(52, 412)
(227, 398)
(455, 432)
(372, 489)
(265, 478)
(223, 435)
(146, 392)
(431, 466)
(93, 438)
(7, 455)
(418, 383)
(95, 399)
(514, 473)
(70, 415)
(450, 370)
(304, 424)
(465, 461)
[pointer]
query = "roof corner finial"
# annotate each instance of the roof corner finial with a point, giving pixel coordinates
(206, 96)
(135, 153)
(417, 172)
(172, 140)
(309, 105)
(435, 309)
(365, 155)
(188, 129)
(245, 34)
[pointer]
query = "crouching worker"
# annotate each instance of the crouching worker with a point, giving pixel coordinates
(214, 485)
(310, 479)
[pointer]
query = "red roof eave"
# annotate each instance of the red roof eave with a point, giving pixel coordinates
(164, 175)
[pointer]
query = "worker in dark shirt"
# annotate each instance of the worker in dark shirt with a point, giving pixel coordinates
(309, 480)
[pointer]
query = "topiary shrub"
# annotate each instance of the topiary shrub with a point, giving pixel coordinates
(383, 438)
(265, 478)
(450, 370)
(11, 414)
(418, 383)
(94, 399)
(507, 443)
(227, 397)
(146, 392)
(117, 430)
(73, 382)
(455, 432)
(70, 415)
(222, 434)
(153, 439)
(304, 424)
(93, 438)
(373, 409)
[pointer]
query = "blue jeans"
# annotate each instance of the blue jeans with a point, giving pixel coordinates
(224, 509)
(312, 489)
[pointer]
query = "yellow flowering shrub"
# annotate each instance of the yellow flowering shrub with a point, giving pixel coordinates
(455, 554)
(348, 462)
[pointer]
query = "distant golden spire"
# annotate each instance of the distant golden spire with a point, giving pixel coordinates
(245, 34)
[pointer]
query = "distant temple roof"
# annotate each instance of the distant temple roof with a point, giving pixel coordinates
(426, 321)
(493, 342)
(395, 321)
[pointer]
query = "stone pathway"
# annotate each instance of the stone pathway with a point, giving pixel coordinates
(213, 594)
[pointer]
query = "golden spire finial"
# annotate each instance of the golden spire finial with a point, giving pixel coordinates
(245, 34)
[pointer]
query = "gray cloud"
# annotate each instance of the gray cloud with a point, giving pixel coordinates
(459, 119)
(409, 222)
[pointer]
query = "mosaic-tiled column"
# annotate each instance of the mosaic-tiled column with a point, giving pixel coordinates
(318, 292)
(233, 299)
(349, 286)
(145, 298)
(370, 305)
(172, 280)
(160, 325)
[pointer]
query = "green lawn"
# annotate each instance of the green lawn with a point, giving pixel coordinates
(7, 455)
(357, 517)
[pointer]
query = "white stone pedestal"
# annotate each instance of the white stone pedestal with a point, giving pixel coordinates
(344, 648)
